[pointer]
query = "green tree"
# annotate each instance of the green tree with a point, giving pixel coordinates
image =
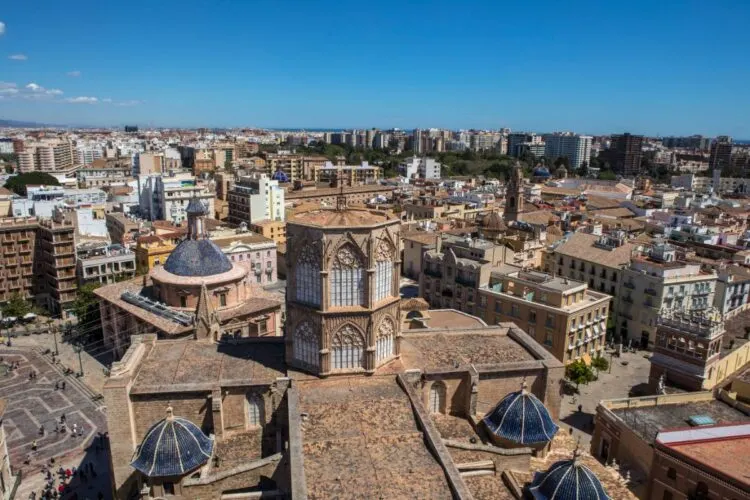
(18, 183)
(607, 175)
(562, 161)
(16, 306)
(583, 170)
(600, 363)
(579, 373)
(86, 305)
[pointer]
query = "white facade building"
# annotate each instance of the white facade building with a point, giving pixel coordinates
(167, 197)
(256, 198)
(576, 148)
(422, 168)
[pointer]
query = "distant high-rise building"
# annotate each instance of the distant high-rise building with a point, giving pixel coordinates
(416, 141)
(691, 142)
(624, 154)
(721, 153)
(46, 156)
(576, 148)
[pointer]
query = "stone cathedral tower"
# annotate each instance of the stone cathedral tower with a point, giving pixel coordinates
(514, 195)
(342, 290)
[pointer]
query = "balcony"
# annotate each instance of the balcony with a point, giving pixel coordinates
(650, 304)
(650, 291)
(447, 292)
(630, 285)
(628, 299)
(702, 293)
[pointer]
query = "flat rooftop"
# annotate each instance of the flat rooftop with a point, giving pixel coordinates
(709, 447)
(647, 421)
(436, 349)
(326, 217)
(183, 365)
(360, 439)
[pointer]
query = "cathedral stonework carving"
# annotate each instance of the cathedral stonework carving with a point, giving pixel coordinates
(353, 272)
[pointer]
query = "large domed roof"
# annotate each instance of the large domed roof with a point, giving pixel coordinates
(172, 447)
(520, 417)
(568, 480)
(197, 258)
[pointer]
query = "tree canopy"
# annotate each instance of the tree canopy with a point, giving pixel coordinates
(17, 306)
(86, 305)
(579, 373)
(18, 183)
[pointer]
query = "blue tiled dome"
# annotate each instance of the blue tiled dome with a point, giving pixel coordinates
(195, 207)
(197, 258)
(541, 172)
(568, 480)
(172, 447)
(280, 176)
(520, 417)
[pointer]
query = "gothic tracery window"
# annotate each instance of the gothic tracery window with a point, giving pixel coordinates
(347, 349)
(347, 278)
(385, 340)
(254, 411)
(383, 271)
(306, 345)
(307, 274)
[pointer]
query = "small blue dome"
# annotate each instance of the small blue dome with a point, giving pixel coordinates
(520, 417)
(195, 207)
(567, 480)
(197, 258)
(541, 172)
(280, 176)
(173, 446)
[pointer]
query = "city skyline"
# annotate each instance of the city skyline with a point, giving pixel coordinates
(587, 68)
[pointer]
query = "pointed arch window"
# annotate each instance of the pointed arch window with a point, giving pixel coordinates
(385, 340)
(383, 271)
(306, 345)
(347, 349)
(254, 411)
(437, 398)
(347, 278)
(307, 276)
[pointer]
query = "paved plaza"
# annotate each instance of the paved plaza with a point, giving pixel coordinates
(624, 380)
(35, 402)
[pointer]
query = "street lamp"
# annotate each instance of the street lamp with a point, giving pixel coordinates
(54, 336)
(78, 348)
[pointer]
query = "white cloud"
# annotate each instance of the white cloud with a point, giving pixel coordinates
(2, 28)
(54, 92)
(75, 73)
(34, 87)
(7, 85)
(106, 99)
(82, 100)
(9, 91)
(18, 57)
(132, 102)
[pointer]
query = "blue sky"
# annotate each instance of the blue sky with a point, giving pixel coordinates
(658, 67)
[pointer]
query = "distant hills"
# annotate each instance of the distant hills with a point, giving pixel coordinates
(23, 124)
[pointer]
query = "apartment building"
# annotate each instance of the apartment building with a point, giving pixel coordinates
(415, 244)
(456, 269)
(327, 196)
(55, 264)
(576, 148)
(255, 198)
(103, 263)
(420, 168)
(156, 163)
(18, 240)
(348, 175)
(86, 155)
(624, 154)
(563, 315)
(656, 281)
(721, 153)
(152, 250)
(47, 156)
(104, 172)
(291, 164)
(272, 229)
(166, 197)
(121, 228)
(732, 290)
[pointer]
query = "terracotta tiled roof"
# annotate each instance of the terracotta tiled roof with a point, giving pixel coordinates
(581, 246)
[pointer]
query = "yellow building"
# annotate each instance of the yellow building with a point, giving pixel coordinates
(151, 251)
(272, 229)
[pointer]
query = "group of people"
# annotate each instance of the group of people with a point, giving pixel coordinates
(61, 484)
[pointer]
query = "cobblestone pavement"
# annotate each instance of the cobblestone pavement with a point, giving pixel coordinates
(33, 403)
(625, 380)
